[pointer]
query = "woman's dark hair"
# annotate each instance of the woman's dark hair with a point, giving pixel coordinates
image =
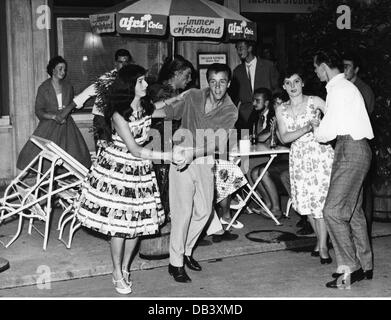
(53, 62)
(170, 66)
(290, 71)
(122, 92)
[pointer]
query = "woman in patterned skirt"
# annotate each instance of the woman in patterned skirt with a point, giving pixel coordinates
(309, 161)
(120, 196)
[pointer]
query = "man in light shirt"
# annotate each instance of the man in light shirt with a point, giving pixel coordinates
(347, 121)
(352, 66)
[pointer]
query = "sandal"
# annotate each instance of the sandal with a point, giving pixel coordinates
(127, 277)
(123, 288)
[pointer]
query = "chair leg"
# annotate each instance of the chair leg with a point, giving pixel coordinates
(31, 222)
(74, 226)
(288, 207)
(62, 227)
(17, 232)
(46, 236)
(66, 211)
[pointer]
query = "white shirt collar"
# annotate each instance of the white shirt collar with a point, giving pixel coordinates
(251, 63)
(334, 81)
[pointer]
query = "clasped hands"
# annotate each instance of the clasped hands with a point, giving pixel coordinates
(181, 157)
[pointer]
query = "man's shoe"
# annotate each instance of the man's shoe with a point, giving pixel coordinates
(179, 274)
(226, 236)
(355, 276)
(368, 274)
(191, 263)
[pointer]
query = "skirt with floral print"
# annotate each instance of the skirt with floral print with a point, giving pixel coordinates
(310, 169)
(228, 179)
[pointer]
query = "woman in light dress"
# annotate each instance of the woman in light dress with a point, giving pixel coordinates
(310, 162)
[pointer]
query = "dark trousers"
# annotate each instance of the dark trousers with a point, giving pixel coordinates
(343, 212)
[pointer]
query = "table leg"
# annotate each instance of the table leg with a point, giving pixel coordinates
(253, 191)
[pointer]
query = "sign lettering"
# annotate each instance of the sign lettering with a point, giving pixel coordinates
(185, 26)
(101, 23)
(141, 24)
(287, 6)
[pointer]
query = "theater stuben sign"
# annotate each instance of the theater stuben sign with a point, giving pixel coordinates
(279, 6)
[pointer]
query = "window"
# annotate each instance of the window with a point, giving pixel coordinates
(90, 55)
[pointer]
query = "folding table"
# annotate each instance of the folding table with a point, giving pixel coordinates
(260, 149)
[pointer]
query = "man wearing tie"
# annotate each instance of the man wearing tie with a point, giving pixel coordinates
(251, 74)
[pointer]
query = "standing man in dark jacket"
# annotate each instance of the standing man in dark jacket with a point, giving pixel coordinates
(251, 74)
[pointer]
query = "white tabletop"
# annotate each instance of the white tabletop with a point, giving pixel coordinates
(258, 149)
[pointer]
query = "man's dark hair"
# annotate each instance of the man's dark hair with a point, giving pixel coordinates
(53, 62)
(265, 92)
(123, 53)
(249, 43)
(218, 67)
(354, 57)
(331, 57)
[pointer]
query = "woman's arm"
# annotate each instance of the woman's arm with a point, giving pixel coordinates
(41, 105)
(287, 137)
(122, 128)
(320, 104)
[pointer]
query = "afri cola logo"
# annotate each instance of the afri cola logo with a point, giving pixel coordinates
(240, 29)
(145, 22)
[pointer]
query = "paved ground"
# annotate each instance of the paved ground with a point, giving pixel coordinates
(262, 250)
(273, 274)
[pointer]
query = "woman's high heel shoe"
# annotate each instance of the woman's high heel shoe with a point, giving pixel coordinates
(121, 286)
(127, 277)
(315, 253)
(326, 260)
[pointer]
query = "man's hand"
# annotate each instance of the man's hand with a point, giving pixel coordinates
(314, 123)
(182, 156)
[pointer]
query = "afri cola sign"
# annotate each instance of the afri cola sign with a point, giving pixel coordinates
(241, 30)
(141, 24)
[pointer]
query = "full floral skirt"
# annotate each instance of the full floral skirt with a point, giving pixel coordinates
(120, 196)
(310, 166)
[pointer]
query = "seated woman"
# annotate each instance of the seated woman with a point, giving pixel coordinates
(53, 106)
